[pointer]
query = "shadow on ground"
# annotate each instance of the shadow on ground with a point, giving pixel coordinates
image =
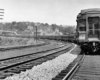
(90, 52)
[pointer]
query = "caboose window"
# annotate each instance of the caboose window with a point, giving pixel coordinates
(97, 26)
(82, 25)
(82, 29)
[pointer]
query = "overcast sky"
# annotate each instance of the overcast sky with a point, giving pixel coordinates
(61, 12)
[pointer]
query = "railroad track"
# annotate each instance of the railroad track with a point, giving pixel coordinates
(14, 65)
(22, 47)
(89, 69)
(84, 67)
(69, 71)
(73, 70)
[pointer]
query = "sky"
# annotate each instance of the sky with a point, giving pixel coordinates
(60, 12)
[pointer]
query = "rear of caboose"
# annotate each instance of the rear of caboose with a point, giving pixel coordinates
(88, 29)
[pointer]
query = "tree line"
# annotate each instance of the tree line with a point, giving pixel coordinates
(22, 26)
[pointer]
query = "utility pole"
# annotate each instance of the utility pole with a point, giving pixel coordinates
(36, 34)
(1, 13)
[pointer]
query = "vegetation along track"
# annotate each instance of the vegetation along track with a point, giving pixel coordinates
(11, 66)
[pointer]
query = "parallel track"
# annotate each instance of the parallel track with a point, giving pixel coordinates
(10, 66)
(22, 47)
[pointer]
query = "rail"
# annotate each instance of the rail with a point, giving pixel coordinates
(12, 63)
(22, 47)
(74, 69)
(68, 73)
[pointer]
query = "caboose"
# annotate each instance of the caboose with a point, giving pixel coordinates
(88, 29)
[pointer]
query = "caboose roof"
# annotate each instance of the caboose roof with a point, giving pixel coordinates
(91, 10)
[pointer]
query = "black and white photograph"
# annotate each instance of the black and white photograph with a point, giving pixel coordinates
(49, 39)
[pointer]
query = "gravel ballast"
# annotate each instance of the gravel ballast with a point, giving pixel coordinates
(46, 70)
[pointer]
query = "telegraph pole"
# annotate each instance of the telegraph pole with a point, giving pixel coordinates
(1, 14)
(36, 34)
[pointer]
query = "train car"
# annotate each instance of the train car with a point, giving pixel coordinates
(70, 38)
(88, 29)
